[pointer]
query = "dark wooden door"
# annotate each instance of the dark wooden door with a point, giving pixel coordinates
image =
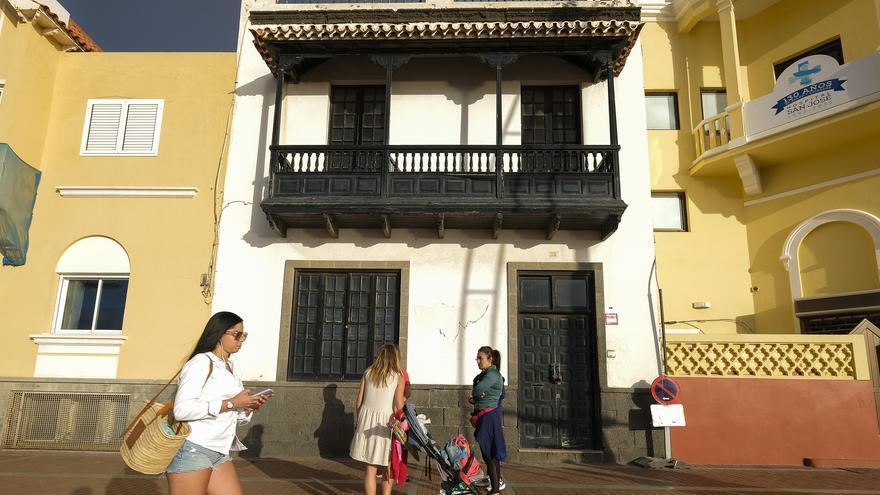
(357, 117)
(558, 392)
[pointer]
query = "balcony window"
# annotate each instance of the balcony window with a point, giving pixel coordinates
(662, 110)
(669, 211)
(341, 318)
(713, 102)
(833, 49)
(2, 87)
(551, 115)
(357, 117)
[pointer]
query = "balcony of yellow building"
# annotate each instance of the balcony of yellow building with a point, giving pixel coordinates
(796, 83)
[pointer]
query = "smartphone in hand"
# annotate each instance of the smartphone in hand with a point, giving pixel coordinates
(268, 391)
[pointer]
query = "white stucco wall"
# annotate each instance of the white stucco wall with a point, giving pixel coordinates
(458, 285)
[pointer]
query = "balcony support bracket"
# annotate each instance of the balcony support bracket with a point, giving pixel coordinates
(276, 226)
(553, 226)
(331, 225)
(610, 226)
(386, 226)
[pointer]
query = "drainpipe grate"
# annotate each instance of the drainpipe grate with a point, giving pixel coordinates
(65, 421)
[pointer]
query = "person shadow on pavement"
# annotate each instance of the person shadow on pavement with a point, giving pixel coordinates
(337, 426)
(126, 486)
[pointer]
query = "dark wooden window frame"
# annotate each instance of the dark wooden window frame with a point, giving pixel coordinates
(321, 308)
(548, 116)
(360, 100)
(288, 308)
(832, 48)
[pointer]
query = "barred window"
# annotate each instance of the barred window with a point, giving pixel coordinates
(341, 318)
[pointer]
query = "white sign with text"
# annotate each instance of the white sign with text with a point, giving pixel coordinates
(811, 86)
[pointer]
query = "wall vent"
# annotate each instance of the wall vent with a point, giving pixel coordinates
(65, 421)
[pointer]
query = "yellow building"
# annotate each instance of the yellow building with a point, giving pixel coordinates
(763, 135)
(130, 147)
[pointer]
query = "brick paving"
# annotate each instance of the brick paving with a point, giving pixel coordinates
(94, 473)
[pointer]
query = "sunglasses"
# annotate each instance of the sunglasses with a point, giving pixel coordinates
(238, 335)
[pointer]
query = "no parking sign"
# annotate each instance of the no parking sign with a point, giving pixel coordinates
(665, 390)
(667, 413)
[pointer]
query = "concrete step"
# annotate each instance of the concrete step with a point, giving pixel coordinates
(568, 456)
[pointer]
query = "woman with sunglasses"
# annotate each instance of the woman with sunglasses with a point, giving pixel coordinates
(486, 396)
(212, 399)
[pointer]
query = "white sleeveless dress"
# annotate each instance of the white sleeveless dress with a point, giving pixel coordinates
(372, 436)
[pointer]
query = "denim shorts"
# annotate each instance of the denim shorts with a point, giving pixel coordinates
(193, 457)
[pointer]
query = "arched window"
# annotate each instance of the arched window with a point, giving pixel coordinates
(94, 274)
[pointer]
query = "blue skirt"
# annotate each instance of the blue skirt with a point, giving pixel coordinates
(489, 435)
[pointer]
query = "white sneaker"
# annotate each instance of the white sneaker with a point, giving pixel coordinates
(501, 486)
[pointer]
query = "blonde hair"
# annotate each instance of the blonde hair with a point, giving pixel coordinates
(387, 362)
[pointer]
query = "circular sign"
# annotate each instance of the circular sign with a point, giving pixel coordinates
(665, 390)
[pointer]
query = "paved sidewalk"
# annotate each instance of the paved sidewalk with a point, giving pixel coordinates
(87, 473)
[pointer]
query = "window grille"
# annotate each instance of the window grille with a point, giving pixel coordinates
(340, 320)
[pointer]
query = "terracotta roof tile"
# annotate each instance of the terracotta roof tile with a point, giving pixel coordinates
(76, 33)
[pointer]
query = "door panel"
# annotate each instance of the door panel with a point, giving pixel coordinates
(556, 368)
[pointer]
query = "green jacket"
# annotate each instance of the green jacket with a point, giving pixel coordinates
(488, 386)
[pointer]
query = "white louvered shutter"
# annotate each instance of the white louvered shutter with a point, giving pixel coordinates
(140, 127)
(103, 130)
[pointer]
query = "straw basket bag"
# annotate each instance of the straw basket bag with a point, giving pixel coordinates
(152, 439)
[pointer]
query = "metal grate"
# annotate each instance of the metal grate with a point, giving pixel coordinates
(65, 421)
(840, 324)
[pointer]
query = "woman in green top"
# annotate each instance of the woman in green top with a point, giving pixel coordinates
(486, 396)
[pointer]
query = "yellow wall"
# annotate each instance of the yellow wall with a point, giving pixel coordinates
(837, 257)
(28, 63)
(710, 262)
(770, 224)
(720, 223)
(793, 26)
(169, 241)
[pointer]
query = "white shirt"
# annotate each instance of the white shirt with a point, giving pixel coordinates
(201, 400)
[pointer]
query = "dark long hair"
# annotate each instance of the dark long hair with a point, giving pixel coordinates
(495, 354)
(215, 328)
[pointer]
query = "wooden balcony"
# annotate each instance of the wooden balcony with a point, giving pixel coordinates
(552, 188)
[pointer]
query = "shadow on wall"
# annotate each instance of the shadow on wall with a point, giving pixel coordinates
(624, 433)
(337, 426)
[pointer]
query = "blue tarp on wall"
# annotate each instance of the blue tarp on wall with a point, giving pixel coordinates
(18, 193)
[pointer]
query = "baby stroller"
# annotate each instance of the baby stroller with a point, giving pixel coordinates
(459, 474)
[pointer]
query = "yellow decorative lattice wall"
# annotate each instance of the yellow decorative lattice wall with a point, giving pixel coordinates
(840, 357)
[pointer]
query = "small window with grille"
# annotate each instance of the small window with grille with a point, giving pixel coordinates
(340, 319)
(117, 127)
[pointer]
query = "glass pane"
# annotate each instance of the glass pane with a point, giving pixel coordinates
(535, 292)
(660, 110)
(571, 293)
(667, 211)
(112, 306)
(79, 304)
(713, 103)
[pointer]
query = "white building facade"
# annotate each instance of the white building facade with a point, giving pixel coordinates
(443, 176)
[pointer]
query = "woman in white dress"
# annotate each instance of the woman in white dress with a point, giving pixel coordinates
(380, 394)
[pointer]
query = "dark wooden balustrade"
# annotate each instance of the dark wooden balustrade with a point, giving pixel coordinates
(469, 186)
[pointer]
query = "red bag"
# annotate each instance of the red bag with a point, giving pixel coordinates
(476, 417)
